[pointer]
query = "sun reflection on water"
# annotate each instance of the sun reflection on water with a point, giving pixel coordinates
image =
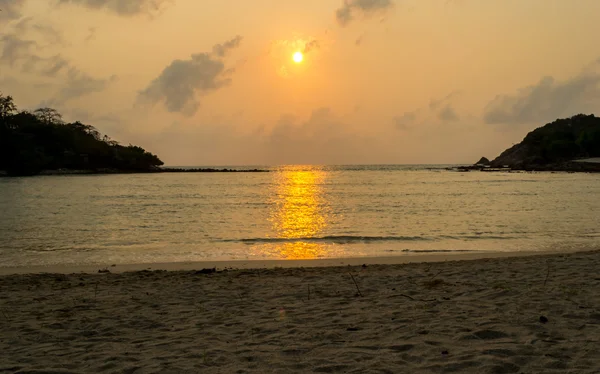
(299, 213)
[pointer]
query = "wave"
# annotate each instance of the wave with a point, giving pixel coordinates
(431, 250)
(479, 237)
(338, 239)
(349, 239)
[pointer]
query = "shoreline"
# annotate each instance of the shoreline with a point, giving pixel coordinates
(579, 167)
(273, 264)
(62, 172)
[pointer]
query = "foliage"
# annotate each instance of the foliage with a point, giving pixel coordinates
(560, 141)
(32, 142)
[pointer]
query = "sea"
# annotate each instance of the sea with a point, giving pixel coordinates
(293, 212)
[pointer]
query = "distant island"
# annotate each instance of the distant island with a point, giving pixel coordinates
(40, 142)
(569, 144)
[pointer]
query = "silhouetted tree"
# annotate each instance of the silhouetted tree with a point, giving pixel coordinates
(7, 106)
(32, 142)
(48, 116)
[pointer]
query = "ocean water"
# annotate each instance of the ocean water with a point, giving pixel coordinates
(293, 212)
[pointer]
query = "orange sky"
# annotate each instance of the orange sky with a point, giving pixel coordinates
(382, 81)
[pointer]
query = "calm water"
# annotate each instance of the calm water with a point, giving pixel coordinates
(292, 213)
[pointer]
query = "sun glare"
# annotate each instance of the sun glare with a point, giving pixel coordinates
(298, 57)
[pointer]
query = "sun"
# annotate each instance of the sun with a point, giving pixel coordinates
(298, 57)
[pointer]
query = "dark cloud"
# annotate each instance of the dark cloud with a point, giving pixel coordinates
(79, 84)
(448, 114)
(76, 84)
(25, 55)
(44, 32)
(547, 100)
(222, 49)
(362, 8)
(91, 35)
(46, 66)
(10, 10)
(310, 46)
(121, 7)
(181, 83)
(15, 49)
(22, 45)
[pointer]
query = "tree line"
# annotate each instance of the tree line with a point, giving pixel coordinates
(566, 139)
(31, 142)
(556, 143)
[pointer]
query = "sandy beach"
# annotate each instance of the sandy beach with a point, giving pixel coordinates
(534, 314)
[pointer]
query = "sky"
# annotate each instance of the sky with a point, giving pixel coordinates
(213, 82)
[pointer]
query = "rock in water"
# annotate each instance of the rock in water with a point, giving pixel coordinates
(483, 161)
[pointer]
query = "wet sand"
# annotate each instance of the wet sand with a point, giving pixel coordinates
(433, 256)
(530, 314)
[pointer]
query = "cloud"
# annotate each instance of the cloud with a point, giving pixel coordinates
(74, 85)
(91, 34)
(448, 114)
(21, 48)
(125, 8)
(79, 84)
(281, 51)
(42, 31)
(320, 138)
(439, 115)
(10, 10)
(46, 66)
(15, 49)
(434, 104)
(547, 100)
(405, 121)
(363, 8)
(110, 120)
(25, 55)
(311, 45)
(443, 108)
(359, 40)
(221, 50)
(181, 83)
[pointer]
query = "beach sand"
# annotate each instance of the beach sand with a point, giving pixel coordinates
(536, 314)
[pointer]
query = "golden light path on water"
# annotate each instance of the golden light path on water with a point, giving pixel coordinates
(300, 212)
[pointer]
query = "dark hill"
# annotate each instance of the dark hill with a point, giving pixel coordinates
(555, 145)
(33, 142)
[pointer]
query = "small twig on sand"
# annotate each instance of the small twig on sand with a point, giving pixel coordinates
(438, 273)
(356, 284)
(413, 299)
(5, 316)
(547, 272)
